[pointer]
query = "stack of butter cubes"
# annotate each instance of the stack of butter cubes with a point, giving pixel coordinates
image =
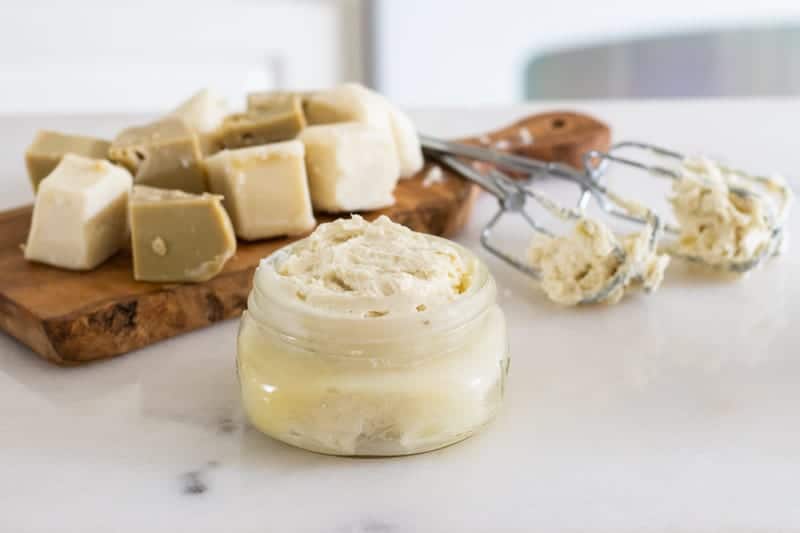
(182, 188)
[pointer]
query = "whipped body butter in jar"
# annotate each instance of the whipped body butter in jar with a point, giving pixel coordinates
(371, 339)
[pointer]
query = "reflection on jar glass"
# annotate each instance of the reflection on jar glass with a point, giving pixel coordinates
(372, 384)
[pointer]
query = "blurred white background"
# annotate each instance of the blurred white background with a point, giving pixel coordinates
(148, 55)
(101, 56)
(471, 53)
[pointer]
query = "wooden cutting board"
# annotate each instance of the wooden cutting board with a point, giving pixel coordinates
(71, 318)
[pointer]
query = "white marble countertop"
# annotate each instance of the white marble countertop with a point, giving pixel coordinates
(675, 412)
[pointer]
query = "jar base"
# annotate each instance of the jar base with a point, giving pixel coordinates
(377, 455)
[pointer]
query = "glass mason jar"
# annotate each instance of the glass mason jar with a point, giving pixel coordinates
(372, 385)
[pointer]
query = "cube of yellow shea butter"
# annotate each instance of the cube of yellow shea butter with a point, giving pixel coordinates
(267, 100)
(177, 236)
(49, 147)
(79, 216)
(203, 112)
(281, 120)
(265, 189)
(351, 166)
(164, 154)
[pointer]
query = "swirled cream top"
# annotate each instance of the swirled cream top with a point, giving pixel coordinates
(370, 269)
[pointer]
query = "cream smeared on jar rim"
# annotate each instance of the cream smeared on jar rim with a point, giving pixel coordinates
(374, 268)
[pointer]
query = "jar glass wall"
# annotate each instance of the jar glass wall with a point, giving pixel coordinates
(376, 385)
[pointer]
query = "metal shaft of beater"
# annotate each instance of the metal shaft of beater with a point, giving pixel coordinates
(511, 199)
(596, 155)
(596, 164)
(501, 159)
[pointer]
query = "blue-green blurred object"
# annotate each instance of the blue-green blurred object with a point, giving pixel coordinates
(741, 62)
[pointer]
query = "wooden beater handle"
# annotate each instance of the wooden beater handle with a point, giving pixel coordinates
(562, 136)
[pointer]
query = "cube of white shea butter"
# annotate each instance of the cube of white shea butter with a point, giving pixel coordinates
(352, 102)
(80, 214)
(351, 166)
(264, 189)
(406, 142)
(349, 102)
(203, 112)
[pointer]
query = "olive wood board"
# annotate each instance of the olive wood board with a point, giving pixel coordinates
(71, 318)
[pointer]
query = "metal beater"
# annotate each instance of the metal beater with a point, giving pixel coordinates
(513, 196)
(596, 165)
